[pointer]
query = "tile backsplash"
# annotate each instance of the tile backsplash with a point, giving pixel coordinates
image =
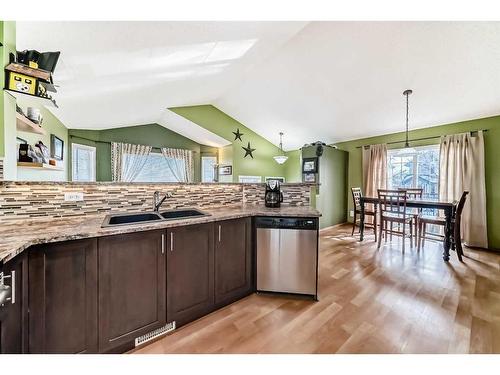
(46, 199)
(1, 169)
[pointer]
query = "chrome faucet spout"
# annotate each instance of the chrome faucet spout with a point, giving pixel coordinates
(157, 202)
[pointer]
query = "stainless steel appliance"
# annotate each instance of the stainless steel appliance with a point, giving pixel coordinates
(274, 196)
(287, 255)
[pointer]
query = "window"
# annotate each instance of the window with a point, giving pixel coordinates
(155, 169)
(208, 164)
(416, 167)
(249, 179)
(83, 162)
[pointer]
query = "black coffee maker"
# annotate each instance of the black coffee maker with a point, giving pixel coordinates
(273, 196)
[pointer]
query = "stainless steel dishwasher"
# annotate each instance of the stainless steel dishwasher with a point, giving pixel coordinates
(287, 255)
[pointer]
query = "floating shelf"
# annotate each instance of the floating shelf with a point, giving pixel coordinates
(24, 124)
(38, 99)
(39, 166)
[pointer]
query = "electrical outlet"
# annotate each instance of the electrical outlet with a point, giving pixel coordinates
(351, 213)
(73, 196)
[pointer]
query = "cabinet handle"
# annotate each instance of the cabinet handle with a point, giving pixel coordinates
(220, 232)
(171, 241)
(13, 283)
(163, 243)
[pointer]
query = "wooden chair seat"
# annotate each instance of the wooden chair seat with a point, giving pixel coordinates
(397, 217)
(437, 220)
(367, 212)
(356, 200)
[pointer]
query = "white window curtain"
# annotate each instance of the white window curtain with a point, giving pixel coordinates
(127, 160)
(374, 169)
(462, 169)
(180, 163)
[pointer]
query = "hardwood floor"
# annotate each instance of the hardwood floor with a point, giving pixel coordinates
(370, 302)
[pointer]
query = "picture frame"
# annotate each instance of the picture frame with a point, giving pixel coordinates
(225, 170)
(309, 177)
(310, 165)
(56, 147)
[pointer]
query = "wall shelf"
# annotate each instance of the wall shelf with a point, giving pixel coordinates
(38, 99)
(24, 124)
(22, 164)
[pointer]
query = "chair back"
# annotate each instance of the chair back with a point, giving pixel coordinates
(413, 193)
(356, 196)
(393, 201)
(459, 207)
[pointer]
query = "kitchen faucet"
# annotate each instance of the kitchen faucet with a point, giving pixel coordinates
(157, 202)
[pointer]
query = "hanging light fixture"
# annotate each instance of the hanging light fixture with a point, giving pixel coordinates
(407, 93)
(280, 159)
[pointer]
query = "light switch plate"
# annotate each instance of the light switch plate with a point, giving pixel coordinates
(73, 196)
(351, 213)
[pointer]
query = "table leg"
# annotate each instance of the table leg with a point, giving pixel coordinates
(362, 220)
(447, 234)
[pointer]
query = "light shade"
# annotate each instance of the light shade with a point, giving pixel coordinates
(280, 159)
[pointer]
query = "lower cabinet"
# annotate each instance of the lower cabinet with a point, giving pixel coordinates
(62, 297)
(13, 311)
(190, 272)
(233, 260)
(131, 288)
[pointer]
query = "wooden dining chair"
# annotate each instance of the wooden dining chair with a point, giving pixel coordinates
(414, 193)
(393, 210)
(456, 221)
(356, 197)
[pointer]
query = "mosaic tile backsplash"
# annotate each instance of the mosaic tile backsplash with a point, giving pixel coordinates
(46, 199)
(1, 169)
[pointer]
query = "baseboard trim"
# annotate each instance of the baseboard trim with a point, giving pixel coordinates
(333, 226)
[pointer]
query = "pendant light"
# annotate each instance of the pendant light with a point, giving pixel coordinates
(407, 93)
(280, 159)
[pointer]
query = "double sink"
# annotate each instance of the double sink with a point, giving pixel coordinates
(145, 217)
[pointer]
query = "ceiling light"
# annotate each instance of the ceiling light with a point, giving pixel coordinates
(407, 93)
(280, 159)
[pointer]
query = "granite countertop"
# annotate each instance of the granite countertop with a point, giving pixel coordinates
(17, 235)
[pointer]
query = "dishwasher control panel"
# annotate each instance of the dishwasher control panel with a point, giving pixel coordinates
(287, 223)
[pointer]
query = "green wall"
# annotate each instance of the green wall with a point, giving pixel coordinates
(492, 156)
(152, 134)
(330, 199)
(216, 121)
(293, 166)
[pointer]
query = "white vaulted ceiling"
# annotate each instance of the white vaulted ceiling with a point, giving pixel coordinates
(328, 81)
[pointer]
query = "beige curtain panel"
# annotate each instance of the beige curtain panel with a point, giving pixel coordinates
(462, 169)
(374, 169)
(127, 160)
(180, 163)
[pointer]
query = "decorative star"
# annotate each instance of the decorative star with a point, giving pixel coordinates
(248, 150)
(237, 135)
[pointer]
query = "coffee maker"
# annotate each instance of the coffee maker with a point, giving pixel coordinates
(273, 196)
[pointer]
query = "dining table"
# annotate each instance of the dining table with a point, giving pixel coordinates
(420, 203)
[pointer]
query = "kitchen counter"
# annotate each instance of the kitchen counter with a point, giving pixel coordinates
(18, 235)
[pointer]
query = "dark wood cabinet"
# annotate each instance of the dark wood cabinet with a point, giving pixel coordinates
(233, 260)
(131, 287)
(13, 313)
(190, 272)
(62, 297)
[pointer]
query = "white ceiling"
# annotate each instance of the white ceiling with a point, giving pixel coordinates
(328, 81)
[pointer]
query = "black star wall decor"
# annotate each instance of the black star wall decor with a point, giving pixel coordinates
(248, 150)
(237, 135)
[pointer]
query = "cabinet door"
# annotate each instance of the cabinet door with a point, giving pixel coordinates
(63, 297)
(233, 260)
(190, 273)
(12, 313)
(131, 287)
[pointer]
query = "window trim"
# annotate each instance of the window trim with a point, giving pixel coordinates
(93, 149)
(202, 170)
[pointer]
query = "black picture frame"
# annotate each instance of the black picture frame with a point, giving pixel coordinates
(309, 177)
(225, 170)
(310, 165)
(56, 147)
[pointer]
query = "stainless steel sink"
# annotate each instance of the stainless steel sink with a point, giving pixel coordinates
(146, 217)
(182, 213)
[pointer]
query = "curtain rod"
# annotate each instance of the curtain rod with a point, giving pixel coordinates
(472, 132)
(109, 143)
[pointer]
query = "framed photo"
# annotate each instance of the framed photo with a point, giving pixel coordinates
(226, 170)
(309, 177)
(309, 165)
(56, 147)
(281, 180)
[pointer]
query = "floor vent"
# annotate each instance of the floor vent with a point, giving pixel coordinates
(154, 334)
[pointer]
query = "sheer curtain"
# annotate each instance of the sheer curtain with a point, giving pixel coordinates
(127, 160)
(461, 167)
(180, 163)
(374, 169)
